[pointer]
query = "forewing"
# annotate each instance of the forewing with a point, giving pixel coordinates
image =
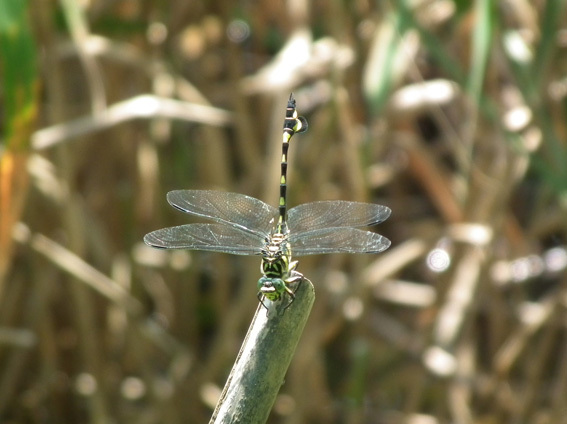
(335, 214)
(238, 210)
(210, 237)
(337, 240)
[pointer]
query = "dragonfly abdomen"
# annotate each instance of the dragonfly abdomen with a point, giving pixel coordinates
(292, 124)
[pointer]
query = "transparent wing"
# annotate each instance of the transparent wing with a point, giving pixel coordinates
(238, 210)
(334, 214)
(210, 237)
(337, 240)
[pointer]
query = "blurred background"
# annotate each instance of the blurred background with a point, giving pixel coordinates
(452, 113)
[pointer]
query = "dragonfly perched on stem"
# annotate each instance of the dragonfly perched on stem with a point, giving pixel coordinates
(247, 226)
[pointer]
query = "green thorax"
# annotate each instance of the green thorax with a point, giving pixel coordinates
(276, 256)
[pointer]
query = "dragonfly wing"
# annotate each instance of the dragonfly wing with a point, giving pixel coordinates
(337, 240)
(335, 214)
(238, 210)
(210, 237)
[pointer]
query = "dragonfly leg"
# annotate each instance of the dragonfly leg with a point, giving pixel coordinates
(295, 278)
(292, 267)
(291, 294)
(299, 280)
(261, 298)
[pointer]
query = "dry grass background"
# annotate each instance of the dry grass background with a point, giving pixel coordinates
(452, 113)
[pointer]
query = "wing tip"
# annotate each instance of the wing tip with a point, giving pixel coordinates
(385, 244)
(383, 214)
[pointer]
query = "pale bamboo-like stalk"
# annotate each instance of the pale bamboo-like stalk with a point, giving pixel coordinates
(263, 360)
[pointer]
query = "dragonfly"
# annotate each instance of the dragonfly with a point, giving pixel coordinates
(244, 225)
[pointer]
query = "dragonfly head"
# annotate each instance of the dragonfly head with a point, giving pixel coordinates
(271, 288)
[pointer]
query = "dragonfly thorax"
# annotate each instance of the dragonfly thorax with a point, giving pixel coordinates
(278, 269)
(276, 256)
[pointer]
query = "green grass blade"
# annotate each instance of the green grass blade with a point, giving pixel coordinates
(18, 73)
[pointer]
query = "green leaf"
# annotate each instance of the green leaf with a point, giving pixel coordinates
(18, 73)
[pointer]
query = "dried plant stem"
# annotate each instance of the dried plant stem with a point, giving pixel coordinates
(263, 360)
